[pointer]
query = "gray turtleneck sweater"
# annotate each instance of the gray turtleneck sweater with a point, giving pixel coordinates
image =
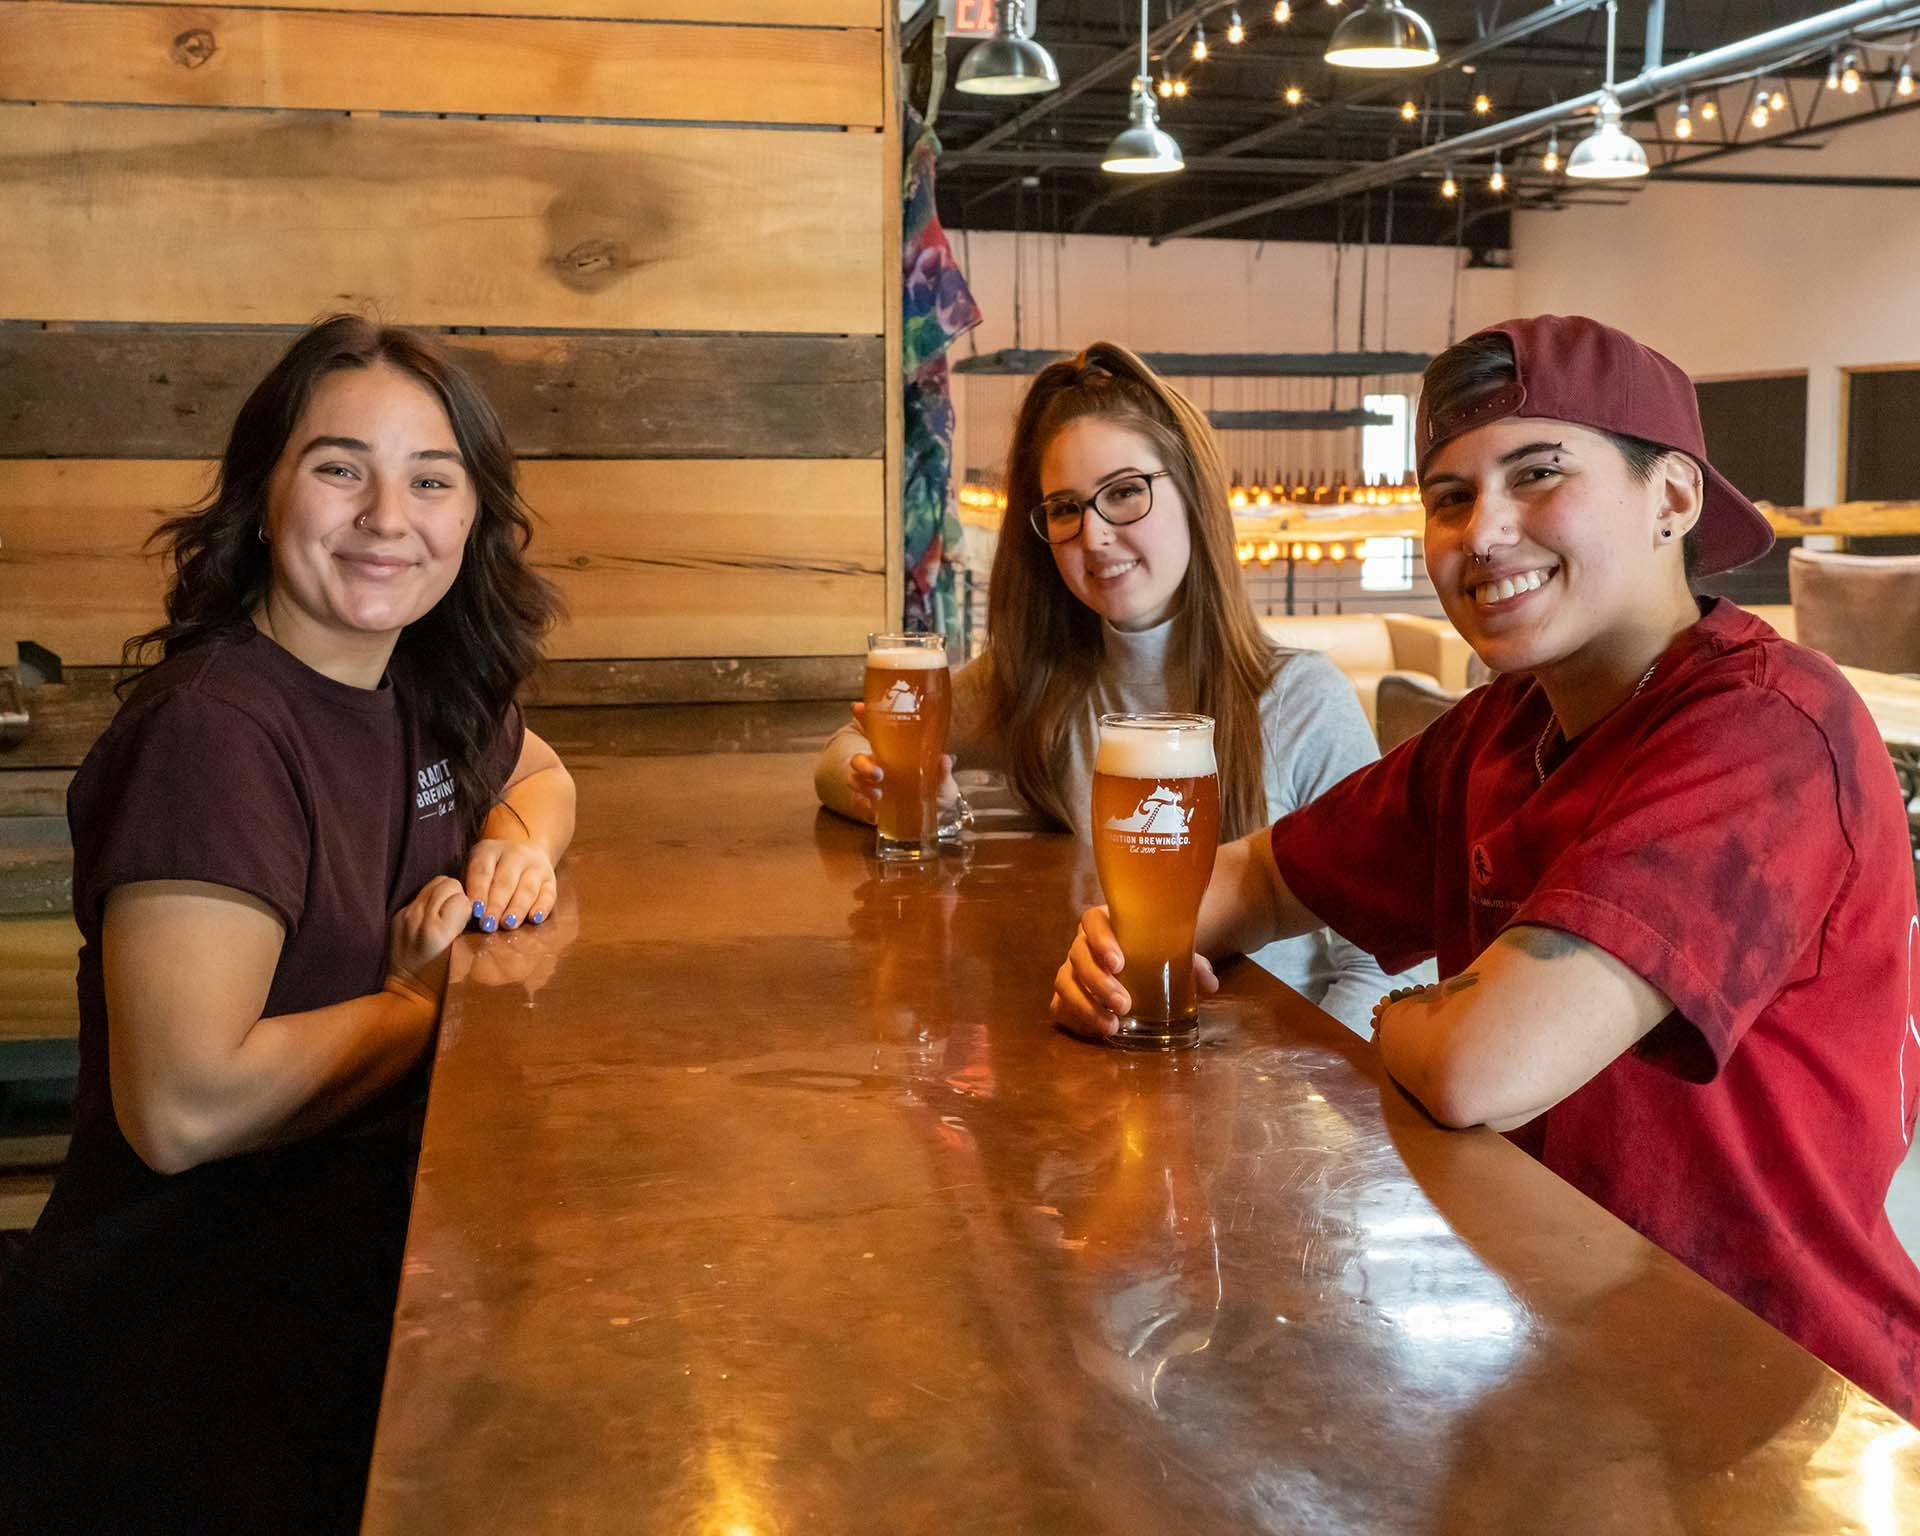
(1315, 734)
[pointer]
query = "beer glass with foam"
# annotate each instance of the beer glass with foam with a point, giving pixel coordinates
(1156, 824)
(909, 701)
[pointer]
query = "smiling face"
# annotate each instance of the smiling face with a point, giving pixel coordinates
(1543, 544)
(1130, 575)
(368, 510)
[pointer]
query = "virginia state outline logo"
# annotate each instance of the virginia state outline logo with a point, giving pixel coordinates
(1159, 820)
(900, 699)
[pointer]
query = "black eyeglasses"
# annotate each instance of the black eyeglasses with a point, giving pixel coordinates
(1119, 502)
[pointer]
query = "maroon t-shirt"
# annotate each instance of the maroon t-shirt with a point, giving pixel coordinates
(1734, 834)
(237, 764)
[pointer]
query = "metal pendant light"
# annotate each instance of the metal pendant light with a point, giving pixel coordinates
(1143, 148)
(1609, 153)
(1382, 34)
(1008, 64)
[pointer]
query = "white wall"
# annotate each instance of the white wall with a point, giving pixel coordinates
(1205, 296)
(1731, 280)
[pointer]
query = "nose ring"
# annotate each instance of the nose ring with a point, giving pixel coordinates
(360, 522)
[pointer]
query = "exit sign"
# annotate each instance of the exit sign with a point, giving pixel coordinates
(972, 18)
(975, 18)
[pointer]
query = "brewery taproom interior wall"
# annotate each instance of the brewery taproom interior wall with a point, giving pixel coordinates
(666, 240)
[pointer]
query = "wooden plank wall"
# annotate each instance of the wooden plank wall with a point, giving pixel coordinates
(664, 233)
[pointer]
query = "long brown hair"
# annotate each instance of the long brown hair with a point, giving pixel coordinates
(476, 647)
(1044, 644)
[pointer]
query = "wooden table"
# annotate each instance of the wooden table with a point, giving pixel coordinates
(757, 1196)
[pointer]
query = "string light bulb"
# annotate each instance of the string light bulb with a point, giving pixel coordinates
(1482, 104)
(1550, 161)
(1199, 42)
(1282, 13)
(1449, 188)
(1408, 111)
(1778, 100)
(1709, 110)
(1904, 86)
(1295, 95)
(1497, 182)
(1833, 71)
(1180, 87)
(1760, 113)
(1166, 86)
(1683, 120)
(1850, 76)
(1236, 29)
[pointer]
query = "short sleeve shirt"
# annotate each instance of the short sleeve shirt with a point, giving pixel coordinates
(236, 764)
(1734, 834)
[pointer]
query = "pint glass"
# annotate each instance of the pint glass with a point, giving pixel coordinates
(909, 700)
(1156, 824)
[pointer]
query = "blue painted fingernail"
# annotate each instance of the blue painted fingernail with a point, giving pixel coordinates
(512, 921)
(488, 925)
(539, 917)
(479, 909)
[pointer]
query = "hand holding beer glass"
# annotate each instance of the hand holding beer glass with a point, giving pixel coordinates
(908, 704)
(1156, 825)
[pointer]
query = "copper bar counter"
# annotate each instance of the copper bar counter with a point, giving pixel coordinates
(757, 1196)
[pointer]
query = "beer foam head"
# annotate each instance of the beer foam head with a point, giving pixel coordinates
(907, 658)
(1155, 747)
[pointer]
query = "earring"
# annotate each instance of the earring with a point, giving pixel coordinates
(1666, 533)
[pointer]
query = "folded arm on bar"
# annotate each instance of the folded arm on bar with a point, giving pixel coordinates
(196, 1069)
(1537, 1015)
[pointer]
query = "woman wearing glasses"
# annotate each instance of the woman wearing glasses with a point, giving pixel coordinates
(1115, 589)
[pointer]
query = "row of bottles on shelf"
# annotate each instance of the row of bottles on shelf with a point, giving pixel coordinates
(1302, 488)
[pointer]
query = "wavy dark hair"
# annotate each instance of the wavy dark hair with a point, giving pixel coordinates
(472, 652)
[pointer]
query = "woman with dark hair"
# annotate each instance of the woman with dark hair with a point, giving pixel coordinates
(1662, 858)
(1115, 588)
(301, 804)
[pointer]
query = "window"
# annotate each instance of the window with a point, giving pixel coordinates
(1756, 431)
(1386, 453)
(1386, 565)
(1883, 451)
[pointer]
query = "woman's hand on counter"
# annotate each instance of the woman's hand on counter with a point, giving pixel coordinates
(1087, 996)
(509, 882)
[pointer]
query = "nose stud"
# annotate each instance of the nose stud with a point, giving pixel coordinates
(360, 522)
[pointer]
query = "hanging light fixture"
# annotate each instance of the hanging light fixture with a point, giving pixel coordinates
(1449, 188)
(1166, 87)
(1236, 30)
(1550, 161)
(1142, 148)
(1199, 42)
(1833, 71)
(1497, 182)
(1482, 104)
(1180, 87)
(1904, 86)
(1382, 34)
(1762, 113)
(1294, 95)
(1709, 110)
(1609, 153)
(1850, 76)
(1008, 63)
(1683, 120)
(1778, 100)
(1408, 111)
(1282, 13)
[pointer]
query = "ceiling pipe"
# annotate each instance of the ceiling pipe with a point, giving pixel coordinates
(1499, 37)
(1758, 50)
(1122, 63)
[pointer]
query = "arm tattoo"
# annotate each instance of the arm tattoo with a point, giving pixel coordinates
(1542, 943)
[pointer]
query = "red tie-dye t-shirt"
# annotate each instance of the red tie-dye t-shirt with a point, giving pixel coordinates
(1735, 835)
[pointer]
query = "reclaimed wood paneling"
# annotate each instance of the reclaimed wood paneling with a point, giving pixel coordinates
(228, 217)
(792, 13)
(38, 957)
(179, 56)
(68, 717)
(173, 393)
(655, 558)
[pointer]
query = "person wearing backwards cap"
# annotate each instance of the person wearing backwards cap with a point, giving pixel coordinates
(1662, 858)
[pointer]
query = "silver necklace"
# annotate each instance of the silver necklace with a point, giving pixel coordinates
(1540, 746)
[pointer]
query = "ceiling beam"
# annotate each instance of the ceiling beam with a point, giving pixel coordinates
(1756, 51)
(1128, 59)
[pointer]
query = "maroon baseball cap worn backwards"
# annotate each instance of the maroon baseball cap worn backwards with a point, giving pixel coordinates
(1569, 368)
